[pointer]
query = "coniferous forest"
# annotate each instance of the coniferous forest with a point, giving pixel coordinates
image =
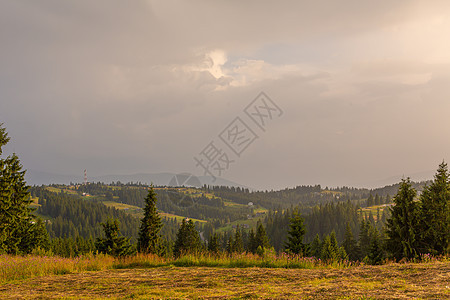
(404, 221)
(224, 149)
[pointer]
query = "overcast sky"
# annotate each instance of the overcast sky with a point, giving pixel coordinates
(123, 87)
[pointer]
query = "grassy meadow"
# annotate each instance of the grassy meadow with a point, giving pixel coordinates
(218, 277)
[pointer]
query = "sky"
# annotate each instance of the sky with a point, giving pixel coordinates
(359, 90)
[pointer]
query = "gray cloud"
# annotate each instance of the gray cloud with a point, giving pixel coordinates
(117, 87)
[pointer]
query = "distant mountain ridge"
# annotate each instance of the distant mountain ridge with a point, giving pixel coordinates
(165, 178)
(416, 177)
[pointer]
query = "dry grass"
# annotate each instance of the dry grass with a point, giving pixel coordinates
(179, 218)
(41, 264)
(391, 281)
(21, 267)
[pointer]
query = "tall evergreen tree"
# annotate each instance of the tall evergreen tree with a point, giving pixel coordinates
(364, 238)
(251, 247)
(261, 239)
(350, 244)
(401, 227)
(19, 232)
(370, 201)
(238, 245)
(296, 233)
(376, 254)
(435, 214)
(149, 238)
(230, 243)
(213, 243)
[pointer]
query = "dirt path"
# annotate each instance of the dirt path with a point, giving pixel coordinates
(395, 281)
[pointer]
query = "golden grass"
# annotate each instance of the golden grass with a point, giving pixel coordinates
(216, 277)
(118, 205)
(21, 267)
(392, 281)
(58, 190)
(179, 218)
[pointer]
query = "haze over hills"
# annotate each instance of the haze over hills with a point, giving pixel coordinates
(416, 177)
(39, 178)
(167, 178)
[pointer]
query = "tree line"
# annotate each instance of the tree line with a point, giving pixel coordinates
(416, 223)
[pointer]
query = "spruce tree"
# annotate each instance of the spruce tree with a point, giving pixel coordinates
(402, 226)
(261, 239)
(435, 214)
(376, 254)
(213, 243)
(149, 237)
(188, 239)
(4, 139)
(20, 230)
(113, 244)
(330, 250)
(364, 238)
(316, 247)
(350, 244)
(35, 236)
(229, 249)
(251, 247)
(238, 245)
(296, 233)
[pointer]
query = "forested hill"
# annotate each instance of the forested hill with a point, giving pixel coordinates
(77, 211)
(307, 197)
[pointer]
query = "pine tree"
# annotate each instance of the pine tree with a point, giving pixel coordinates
(113, 244)
(238, 245)
(4, 139)
(149, 238)
(350, 244)
(251, 247)
(316, 247)
(435, 214)
(296, 233)
(377, 200)
(36, 236)
(261, 239)
(401, 227)
(188, 239)
(330, 250)
(371, 219)
(213, 243)
(229, 248)
(375, 251)
(19, 232)
(364, 238)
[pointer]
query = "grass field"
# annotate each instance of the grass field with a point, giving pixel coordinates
(58, 190)
(391, 281)
(250, 222)
(233, 204)
(130, 209)
(179, 218)
(118, 205)
(374, 210)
